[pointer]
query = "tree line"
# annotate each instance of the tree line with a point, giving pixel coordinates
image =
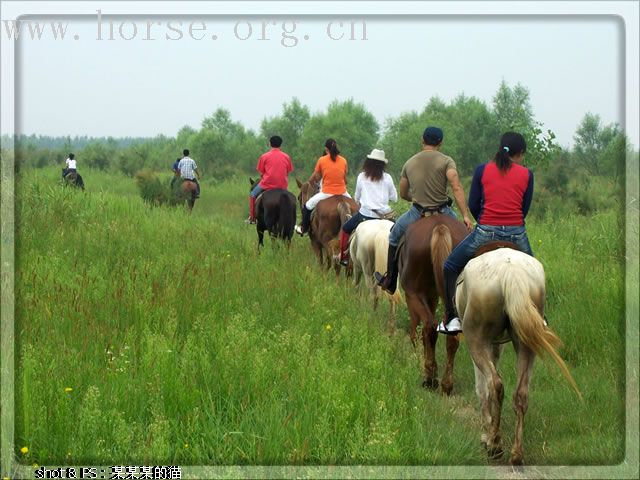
(224, 147)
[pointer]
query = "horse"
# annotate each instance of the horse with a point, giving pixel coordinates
(500, 290)
(187, 191)
(74, 179)
(275, 213)
(325, 224)
(368, 248)
(421, 256)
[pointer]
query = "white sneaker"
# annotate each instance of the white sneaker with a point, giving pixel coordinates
(299, 231)
(453, 327)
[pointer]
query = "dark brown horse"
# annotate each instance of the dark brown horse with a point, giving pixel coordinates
(325, 224)
(188, 191)
(275, 213)
(421, 256)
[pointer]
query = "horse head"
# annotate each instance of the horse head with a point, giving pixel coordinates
(307, 190)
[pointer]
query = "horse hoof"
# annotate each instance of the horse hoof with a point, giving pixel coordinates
(516, 460)
(494, 453)
(447, 389)
(430, 383)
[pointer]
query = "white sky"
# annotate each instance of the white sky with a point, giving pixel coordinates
(571, 65)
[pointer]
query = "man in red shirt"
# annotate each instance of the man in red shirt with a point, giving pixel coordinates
(274, 167)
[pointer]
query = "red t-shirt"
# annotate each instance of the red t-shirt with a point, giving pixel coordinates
(274, 166)
(501, 198)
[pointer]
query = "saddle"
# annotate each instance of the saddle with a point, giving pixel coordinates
(491, 246)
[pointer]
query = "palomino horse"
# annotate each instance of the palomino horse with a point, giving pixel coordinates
(275, 213)
(325, 224)
(427, 244)
(368, 247)
(500, 290)
(188, 191)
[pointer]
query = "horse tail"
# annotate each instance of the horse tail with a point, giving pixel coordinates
(441, 245)
(287, 217)
(527, 322)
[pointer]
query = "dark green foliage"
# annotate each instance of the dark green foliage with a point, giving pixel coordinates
(154, 191)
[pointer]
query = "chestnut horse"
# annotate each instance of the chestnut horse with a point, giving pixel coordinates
(421, 256)
(188, 191)
(500, 290)
(325, 224)
(275, 213)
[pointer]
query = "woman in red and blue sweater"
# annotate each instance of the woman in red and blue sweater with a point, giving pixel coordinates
(499, 200)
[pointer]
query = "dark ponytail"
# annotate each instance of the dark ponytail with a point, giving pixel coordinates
(511, 144)
(332, 146)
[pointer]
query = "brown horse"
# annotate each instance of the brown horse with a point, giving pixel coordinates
(325, 224)
(188, 191)
(275, 213)
(500, 290)
(421, 256)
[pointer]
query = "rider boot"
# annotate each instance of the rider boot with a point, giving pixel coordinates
(453, 325)
(344, 248)
(306, 221)
(389, 281)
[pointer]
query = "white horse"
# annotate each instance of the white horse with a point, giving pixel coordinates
(368, 248)
(500, 290)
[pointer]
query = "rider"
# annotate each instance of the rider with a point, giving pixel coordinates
(274, 167)
(70, 166)
(423, 182)
(188, 170)
(374, 190)
(332, 170)
(499, 199)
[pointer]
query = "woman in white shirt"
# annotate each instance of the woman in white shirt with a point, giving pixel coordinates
(374, 190)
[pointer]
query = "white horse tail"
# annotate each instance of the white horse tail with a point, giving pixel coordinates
(526, 320)
(440, 250)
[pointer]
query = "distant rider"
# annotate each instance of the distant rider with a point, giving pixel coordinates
(189, 170)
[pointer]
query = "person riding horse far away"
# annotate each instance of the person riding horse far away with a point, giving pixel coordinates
(374, 190)
(499, 199)
(274, 168)
(70, 166)
(332, 170)
(423, 181)
(188, 170)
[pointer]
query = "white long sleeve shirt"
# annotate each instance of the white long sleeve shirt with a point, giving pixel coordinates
(375, 195)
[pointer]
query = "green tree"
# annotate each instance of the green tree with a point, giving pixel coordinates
(289, 125)
(349, 123)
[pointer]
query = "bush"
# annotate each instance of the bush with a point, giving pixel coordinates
(153, 191)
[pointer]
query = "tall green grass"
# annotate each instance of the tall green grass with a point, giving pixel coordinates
(146, 335)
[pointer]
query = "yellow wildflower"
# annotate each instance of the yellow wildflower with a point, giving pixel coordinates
(186, 445)
(68, 389)
(24, 450)
(327, 327)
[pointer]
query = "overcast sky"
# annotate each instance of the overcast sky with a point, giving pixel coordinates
(570, 65)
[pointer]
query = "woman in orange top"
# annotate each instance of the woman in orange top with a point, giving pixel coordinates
(332, 170)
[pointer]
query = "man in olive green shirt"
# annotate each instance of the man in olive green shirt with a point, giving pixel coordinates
(423, 182)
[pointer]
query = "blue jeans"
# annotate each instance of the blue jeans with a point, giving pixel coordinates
(256, 190)
(482, 235)
(410, 216)
(351, 224)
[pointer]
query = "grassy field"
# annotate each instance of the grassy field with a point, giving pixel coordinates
(145, 335)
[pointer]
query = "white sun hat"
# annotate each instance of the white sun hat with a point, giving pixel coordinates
(377, 155)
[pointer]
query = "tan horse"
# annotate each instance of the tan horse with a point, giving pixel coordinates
(325, 224)
(188, 191)
(427, 244)
(502, 290)
(368, 247)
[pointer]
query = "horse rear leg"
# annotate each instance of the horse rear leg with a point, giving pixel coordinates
(447, 378)
(491, 390)
(419, 313)
(525, 358)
